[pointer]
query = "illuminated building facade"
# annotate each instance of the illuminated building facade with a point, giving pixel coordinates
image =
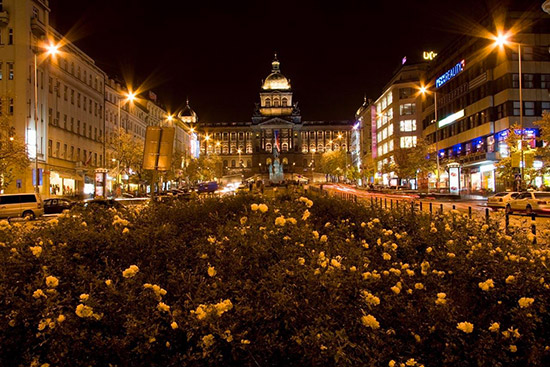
(276, 130)
(477, 90)
(394, 120)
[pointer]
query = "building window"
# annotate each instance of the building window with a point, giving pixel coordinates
(267, 102)
(57, 148)
(528, 81)
(545, 106)
(544, 81)
(408, 141)
(276, 102)
(50, 148)
(10, 36)
(232, 163)
(285, 102)
(268, 147)
(71, 157)
(407, 109)
(72, 96)
(284, 147)
(10, 71)
(408, 125)
(529, 108)
(10, 110)
(516, 108)
(406, 93)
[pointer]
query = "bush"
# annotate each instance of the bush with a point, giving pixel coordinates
(231, 282)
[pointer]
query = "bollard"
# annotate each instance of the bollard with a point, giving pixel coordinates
(397, 204)
(371, 201)
(421, 207)
(454, 207)
(534, 228)
(470, 212)
(507, 222)
(431, 210)
(412, 207)
(487, 215)
(441, 208)
(391, 203)
(355, 198)
(385, 203)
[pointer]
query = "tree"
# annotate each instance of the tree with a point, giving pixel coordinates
(509, 167)
(410, 162)
(543, 152)
(204, 168)
(128, 152)
(333, 163)
(13, 152)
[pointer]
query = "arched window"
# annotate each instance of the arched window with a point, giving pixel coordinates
(320, 148)
(225, 164)
(285, 102)
(276, 102)
(336, 146)
(312, 148)
(268, 147)
(232, 163)
(225, 149)
(304, 148)
(267, 102)
(284, 147)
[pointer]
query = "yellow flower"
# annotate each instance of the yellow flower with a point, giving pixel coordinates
(410, 362)
(245, 341)
(163, 307)
(84, 297)
(386, 256)
(370, 321)
(52, 281)
(263, 208)
(254, 207)
(130, 272)
(84, 224)
(301, 261)
(109, 282)
(315, 234)
(510, 279)
(243, 220)
(125, 230)
(323, 238)
(36, 250)
(174, 325)
(369, 298)
(495, 327)
(61, 318)
(465, 326)
(306, 215)
(396, 290)
(207, 340)
(211, 271)
(429, 249)
(451, 255)
(280, 221)
(419, 286)
(441, 299)
(525, 302)
(353, 269)
(392, 363)
(486, 285)
(513, 348)
(38, 293)
(292, 220)
(84, 311)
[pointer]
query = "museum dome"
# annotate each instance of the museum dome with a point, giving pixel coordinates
(187, 114)
(276, 80)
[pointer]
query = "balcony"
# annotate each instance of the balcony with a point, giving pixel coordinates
(37, 27)
(4, 17)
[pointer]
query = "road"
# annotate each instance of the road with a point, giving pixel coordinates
(478, 207)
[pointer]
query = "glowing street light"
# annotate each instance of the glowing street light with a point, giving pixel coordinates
(130, 97)
(424, 91)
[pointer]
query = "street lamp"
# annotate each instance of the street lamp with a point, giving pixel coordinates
(241, 163)
(312, 164)
(339, 137)
(424, 90)
(51, 51)
(501, 40)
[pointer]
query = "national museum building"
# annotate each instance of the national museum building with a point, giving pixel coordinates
(276, 144)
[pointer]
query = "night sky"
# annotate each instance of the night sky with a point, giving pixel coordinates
(217, 52)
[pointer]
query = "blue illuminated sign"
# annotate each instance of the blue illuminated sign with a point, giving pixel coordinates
(451, 73)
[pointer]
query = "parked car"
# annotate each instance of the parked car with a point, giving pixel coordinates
(56, 205)
(102, 203)
(21, 205)
(501, 199)
(530, 202)
(207, 187)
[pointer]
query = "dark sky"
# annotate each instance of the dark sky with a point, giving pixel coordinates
(217, 52)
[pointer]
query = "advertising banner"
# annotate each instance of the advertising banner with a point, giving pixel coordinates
(454, 180)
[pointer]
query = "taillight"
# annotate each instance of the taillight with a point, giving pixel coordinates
(39, 205)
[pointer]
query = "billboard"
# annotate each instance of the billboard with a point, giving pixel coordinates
(159, 145)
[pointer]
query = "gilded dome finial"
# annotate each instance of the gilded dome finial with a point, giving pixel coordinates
(275, 64)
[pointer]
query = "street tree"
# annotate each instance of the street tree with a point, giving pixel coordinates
(408, 163)
(543, 152)
(13, 152)
(128, 153)
(204, 168)
(333, 163)
(508, 167)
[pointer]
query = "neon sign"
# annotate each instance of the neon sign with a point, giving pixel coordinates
(451, 73)
(429, 55)
(451, 118)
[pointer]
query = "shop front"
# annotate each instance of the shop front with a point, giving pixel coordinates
(480, 178)
(62, 184)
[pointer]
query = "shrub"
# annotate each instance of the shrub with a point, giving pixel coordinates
(231, 282)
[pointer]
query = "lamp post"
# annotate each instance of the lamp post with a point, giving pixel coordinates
(241, 163)
(424, 90)
(502, 40)
(129, 97)
(312, 164)
(340, 137)
(51, 51)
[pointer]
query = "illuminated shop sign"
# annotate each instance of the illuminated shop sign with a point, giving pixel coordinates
(450, 119)
(451, 73)
(429, 55)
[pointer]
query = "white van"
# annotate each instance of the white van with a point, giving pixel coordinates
(21, 205)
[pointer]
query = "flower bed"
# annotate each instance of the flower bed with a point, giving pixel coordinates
(289, 281)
